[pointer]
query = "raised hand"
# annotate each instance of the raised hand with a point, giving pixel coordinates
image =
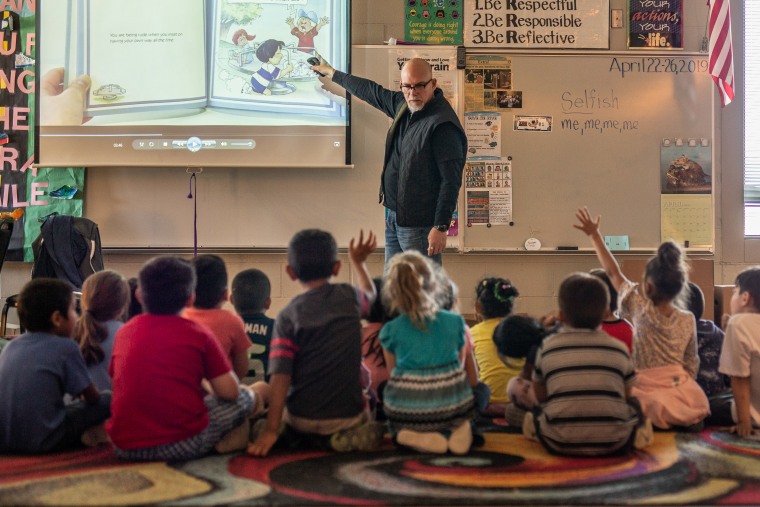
(587, 225)
(358, 251)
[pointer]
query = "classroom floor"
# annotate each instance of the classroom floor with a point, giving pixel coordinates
(707, 468)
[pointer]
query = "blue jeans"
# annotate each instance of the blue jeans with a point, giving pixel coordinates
(400, 239)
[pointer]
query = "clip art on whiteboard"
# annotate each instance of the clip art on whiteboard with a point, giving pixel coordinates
(532, 244)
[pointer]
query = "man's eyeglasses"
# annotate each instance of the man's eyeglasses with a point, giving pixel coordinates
(416, 87)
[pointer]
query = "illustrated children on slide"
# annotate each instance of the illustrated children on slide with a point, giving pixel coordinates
(241, 39)
(270, 54)
(306, 28)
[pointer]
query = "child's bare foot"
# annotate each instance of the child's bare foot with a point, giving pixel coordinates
(95, 436)
(236, 439)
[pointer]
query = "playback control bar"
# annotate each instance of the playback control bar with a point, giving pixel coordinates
(193, 144)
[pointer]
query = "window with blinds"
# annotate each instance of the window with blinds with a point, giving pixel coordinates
(751, 84)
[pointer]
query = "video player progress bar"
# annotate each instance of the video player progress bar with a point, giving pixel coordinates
(193, 144)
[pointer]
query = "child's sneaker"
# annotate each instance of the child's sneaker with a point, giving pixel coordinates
(514, 415)
(235, 440)
(364, 437)
(423, 441)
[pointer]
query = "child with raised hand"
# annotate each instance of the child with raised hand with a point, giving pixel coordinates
(104, 301)
(739, 357)
(665, 336)
(38, 368)
(372, 351)
(159, 411)
(428, 393)
(315, 359)
(494, 300)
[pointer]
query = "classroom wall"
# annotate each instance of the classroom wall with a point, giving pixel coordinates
(537, 277)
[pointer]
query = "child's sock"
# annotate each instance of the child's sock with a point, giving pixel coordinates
(427, 441)
(529, 427)
(461, 439)
(95, 435)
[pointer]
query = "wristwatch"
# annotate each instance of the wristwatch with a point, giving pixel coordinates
(441, 228)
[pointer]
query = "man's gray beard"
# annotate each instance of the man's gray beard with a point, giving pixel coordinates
(415, 109)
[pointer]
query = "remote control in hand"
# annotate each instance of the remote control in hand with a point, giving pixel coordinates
(313, 60)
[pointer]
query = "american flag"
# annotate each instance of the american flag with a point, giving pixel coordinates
(721, 52)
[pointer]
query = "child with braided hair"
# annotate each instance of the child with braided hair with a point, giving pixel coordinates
(495, 298)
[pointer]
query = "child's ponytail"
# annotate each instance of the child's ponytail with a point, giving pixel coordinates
(105, 296)
(410, 287)
(668, 272)
(90, 333)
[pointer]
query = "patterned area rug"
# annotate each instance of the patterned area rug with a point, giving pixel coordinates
(708, 468)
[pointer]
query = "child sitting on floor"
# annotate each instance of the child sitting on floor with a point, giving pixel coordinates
(210, 295)
(448, 299)
(105, 297)
(372, 352)
(665, 337)
(38, 368)
(583, 379)
(494, 300)
(158, 363)
(739, 357)
(612, 324)
(315, 360)
(251, 297)
(709, 343)
(519, 336)
(428, 392)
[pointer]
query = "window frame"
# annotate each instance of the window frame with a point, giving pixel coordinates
(729, 132)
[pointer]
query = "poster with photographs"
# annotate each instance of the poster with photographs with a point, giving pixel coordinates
(535, 123)
(488, 192)
(486, 79)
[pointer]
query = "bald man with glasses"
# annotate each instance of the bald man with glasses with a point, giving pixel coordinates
(425, 151)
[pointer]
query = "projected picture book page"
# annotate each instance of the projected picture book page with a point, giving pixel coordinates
(192, 83)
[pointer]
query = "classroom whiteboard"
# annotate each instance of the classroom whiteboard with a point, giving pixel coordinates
(616, 174)
(607, 158)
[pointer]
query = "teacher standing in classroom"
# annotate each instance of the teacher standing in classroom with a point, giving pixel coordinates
(425, 151)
